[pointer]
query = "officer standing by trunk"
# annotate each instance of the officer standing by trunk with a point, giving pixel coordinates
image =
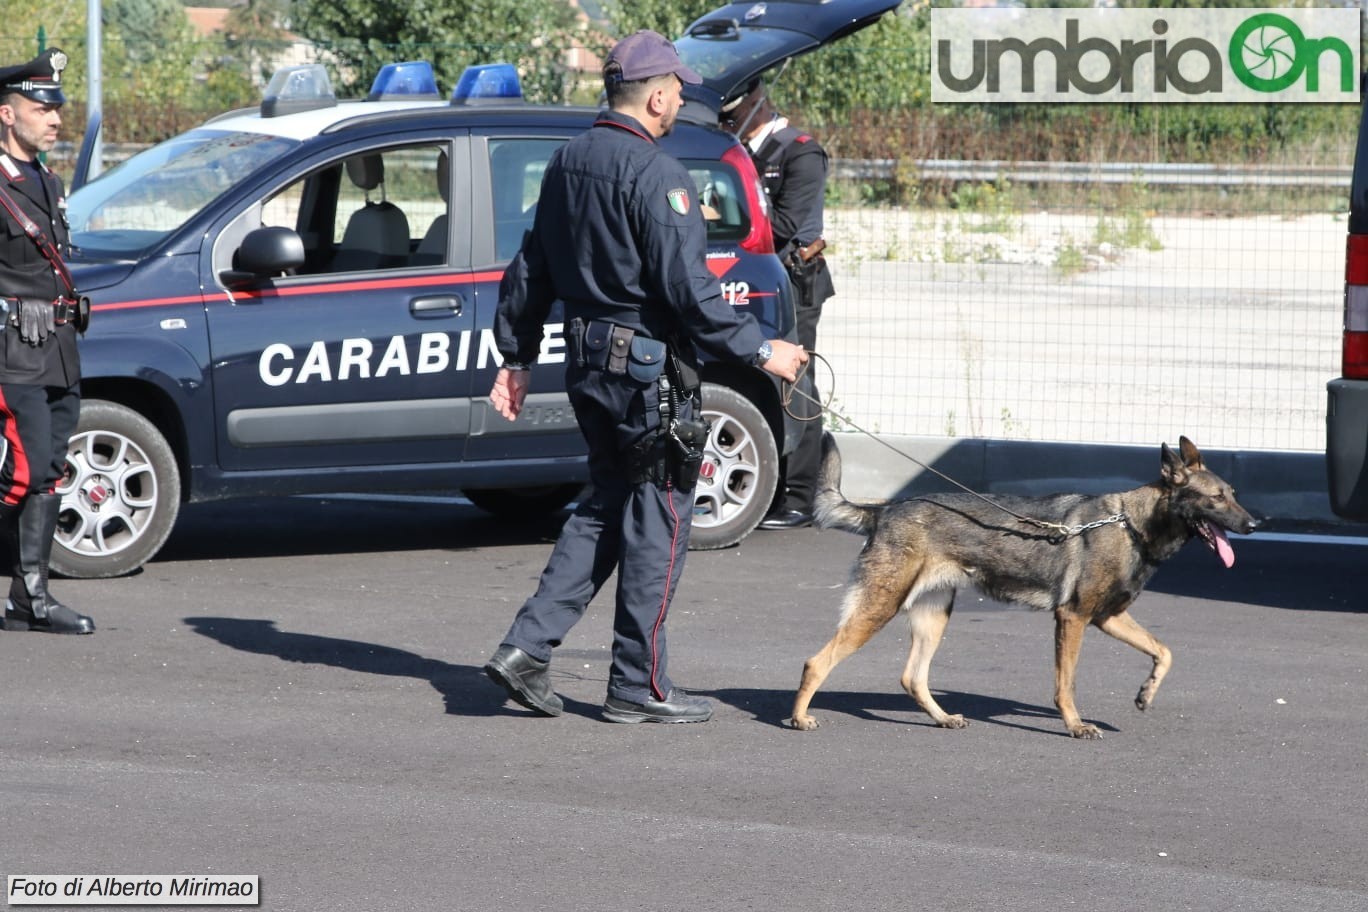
(619, 237)
(40, 369)
(793, 168)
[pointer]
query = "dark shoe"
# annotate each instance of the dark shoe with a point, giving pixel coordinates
(677, 706)
(786, 519)
(60, 619)
(525, 679)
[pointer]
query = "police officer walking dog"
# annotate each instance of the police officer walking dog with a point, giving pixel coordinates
(619, 238)
(40, 369)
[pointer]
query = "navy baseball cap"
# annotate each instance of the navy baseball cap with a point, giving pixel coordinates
(39, 80)
(645, 54)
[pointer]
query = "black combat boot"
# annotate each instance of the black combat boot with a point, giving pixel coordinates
(31, 606)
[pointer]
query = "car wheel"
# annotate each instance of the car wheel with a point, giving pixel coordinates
(740, 471)
(518, 502)
(120, 495)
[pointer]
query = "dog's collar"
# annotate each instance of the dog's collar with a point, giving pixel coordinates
(1060, 532)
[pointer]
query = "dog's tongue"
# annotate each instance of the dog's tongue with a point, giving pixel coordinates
(1216, 538)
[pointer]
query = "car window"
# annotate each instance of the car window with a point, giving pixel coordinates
(721, 198)
(129, 209)
(516, 167)
(378, 209)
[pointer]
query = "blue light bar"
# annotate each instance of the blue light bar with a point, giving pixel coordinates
(297, 88)
(487, 83)
(408, 81)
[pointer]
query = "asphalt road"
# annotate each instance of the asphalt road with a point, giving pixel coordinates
(294, 690)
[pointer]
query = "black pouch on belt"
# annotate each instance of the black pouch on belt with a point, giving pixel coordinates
(608, 346)
(688, 436)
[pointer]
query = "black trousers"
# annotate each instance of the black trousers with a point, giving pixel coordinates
(798, 481)
(641, 530)
(36, 424)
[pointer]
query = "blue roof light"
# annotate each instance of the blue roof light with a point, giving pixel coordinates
(488, 83)
(297, 88)
(407, 81)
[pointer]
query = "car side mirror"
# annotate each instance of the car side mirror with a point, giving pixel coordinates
(263, 254)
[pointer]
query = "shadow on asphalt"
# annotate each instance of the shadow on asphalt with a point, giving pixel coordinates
(775, 706)
(465, 689)
(1307, 576)
(294, 526)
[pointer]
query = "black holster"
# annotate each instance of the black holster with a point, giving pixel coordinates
(810, 278)
(673, 452)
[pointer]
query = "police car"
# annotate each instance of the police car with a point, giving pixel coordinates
(298, 298)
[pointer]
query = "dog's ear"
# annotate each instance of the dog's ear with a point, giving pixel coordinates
(1171, 467)
(1191, 457)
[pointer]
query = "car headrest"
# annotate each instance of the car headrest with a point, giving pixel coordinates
(366, 171)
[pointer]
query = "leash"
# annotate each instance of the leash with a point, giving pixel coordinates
(1060, 531)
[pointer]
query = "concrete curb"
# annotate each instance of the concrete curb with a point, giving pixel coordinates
(1273, 485)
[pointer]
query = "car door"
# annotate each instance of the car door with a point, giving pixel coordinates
(508, 165)
(362, 357)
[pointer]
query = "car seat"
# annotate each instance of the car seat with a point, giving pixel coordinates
(377, 234)
(432, 249)
(511, 221)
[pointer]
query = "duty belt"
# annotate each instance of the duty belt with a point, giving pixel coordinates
(616, 349)
(64, 310)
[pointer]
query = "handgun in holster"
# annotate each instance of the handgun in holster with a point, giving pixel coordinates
(804, 265)
(673, 452)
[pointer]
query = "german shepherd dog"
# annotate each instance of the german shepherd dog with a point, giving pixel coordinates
(918, 552)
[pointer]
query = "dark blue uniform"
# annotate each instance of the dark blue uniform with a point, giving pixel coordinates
(793, 168)
(619, 238)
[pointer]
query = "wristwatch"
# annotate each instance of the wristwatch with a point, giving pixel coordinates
(763, 354)
(515, 366)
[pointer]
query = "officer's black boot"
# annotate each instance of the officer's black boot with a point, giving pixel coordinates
(31, 606)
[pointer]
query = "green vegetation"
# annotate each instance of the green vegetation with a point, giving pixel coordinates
(866, 97)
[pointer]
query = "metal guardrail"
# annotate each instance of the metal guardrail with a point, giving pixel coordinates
(953, 170)
(1018, 172)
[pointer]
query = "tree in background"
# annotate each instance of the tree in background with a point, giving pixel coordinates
(837, 90)
(364, 35)
(668, 17)
(256, 35)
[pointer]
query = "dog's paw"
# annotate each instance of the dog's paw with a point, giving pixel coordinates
(955, 721)
(1145, 698)
(1086, 732)
(802, 723)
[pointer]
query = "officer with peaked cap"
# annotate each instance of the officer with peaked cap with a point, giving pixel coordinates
(40, 369)
(620, 239)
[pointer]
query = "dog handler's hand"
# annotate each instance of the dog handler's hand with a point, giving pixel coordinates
(509, 391)
(785, 359)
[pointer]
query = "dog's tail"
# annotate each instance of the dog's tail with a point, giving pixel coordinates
(830, 508)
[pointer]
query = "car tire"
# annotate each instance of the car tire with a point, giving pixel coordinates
(741, 471)
(120, 497)
(513, 503)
